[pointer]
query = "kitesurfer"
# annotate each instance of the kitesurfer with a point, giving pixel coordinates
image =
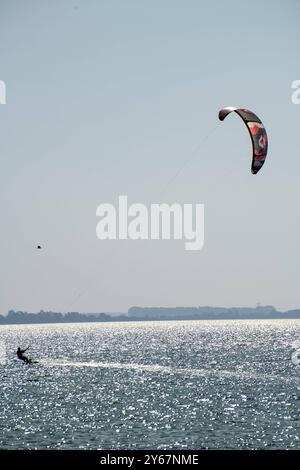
(20, 354)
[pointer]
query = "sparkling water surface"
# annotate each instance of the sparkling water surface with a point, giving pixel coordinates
(151, 385)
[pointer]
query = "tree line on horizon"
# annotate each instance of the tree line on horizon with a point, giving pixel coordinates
(150, 313)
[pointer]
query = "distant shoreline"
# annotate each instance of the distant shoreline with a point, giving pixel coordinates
(151, 314)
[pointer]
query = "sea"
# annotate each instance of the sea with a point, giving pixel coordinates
(151, 385)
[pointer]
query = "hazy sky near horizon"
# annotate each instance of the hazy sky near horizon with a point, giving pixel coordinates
(110, 97)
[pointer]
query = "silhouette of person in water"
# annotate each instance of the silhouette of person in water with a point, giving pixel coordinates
(20, 355)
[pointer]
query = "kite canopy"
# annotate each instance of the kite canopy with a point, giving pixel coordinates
(257, 132)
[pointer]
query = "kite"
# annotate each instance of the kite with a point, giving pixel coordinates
(257, 133)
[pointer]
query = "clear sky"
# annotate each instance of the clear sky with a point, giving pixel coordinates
(109, 97)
